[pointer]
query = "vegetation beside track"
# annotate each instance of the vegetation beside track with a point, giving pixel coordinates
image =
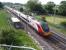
(54, 23)
(10, 35)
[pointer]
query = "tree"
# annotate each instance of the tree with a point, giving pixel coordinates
(1, 5)
(49, 7)
(35, 7)
(21, 9)
(55, 9)
(62, 8)
(8, 4)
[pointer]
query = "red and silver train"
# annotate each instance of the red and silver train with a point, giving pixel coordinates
(41, 26)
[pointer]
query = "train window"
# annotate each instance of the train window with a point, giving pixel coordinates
(29, 21)
(19, 15)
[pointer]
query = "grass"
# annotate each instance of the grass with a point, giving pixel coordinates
(54, 23)
(3, 17)
(22, 35)
(1, 48)
(55, 20)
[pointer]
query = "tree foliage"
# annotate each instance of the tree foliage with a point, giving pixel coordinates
(1, 5)
(21, 9)
(35, 7)
(49, 7)
(62, 8)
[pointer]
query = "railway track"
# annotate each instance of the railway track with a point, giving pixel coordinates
(53, 42)
(60, 37)
(57, 42)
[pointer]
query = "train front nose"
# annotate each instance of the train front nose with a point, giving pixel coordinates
(47, 33)
(45, 28)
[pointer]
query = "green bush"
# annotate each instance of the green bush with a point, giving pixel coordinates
(63, 24)
(10, 37)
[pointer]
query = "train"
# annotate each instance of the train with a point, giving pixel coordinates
(40, 26)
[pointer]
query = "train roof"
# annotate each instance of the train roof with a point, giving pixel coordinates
(14, 19)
